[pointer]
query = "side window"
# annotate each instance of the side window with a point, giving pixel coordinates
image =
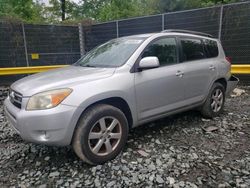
(211, 48)
(165, 49)
(192, 49)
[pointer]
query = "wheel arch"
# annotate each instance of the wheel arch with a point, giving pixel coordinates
(117, 102)
(222, 81)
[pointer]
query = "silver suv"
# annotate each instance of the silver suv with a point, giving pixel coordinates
(119, 85)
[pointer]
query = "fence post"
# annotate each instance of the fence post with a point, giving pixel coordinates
(220, 24)
(162, 22)
(25, 46)
(117, 29)
(81, 39)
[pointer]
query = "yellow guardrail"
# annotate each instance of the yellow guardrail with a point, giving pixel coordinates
(27, 70)
(240, 69)
(235, 69)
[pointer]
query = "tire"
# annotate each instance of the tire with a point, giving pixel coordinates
(101, 134)
(214, 103)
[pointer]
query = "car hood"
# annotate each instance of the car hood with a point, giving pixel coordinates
(59, 78)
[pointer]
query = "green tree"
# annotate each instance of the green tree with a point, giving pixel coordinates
(117, 9)
(26, 10)
(63, 9)
(89, 8)
(176, 5)
(60, 11)
(67, 11)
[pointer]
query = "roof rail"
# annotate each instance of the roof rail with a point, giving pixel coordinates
(187, 31)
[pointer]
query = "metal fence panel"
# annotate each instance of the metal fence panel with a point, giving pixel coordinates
(202, 20)
(12, 52)
(54, 44)
(98, 34)
(140, 25)
(235, 34)
(60, 44)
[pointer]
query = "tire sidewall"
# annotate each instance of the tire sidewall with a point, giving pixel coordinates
(87, 124)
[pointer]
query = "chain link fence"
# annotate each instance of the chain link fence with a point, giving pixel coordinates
(235, 33)
(38, 45)
(230, 23)
(12, 50)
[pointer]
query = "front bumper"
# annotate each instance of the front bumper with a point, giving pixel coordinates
(51, 127)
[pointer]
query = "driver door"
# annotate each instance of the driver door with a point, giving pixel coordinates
(160, 90)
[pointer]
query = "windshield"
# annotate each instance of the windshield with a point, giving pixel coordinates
(111, 54)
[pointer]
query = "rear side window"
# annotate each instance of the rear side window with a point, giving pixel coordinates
(211, 48)
(192, 49)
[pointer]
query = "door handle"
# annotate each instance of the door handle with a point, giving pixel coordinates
(211, 67)
(179, 73)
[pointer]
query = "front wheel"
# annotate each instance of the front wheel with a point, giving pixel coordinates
(214, 103)
(100, 134)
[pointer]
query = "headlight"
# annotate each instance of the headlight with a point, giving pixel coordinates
(48, 99)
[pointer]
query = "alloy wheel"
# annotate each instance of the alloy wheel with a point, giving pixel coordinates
(217, 100)
(105, 136)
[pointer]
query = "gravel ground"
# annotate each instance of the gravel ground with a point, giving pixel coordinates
(184, 150)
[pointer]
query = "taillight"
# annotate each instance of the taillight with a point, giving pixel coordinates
(229, 59)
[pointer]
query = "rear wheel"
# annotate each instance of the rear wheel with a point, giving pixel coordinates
(100, 134)
(214, 103)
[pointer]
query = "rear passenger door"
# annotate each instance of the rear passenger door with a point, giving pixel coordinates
(199, 70)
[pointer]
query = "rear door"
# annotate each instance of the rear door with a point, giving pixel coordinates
(199, 70)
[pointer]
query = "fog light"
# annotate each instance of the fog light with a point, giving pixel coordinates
(44, 135)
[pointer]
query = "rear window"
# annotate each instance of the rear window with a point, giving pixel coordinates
(211, 48)
(192, 49)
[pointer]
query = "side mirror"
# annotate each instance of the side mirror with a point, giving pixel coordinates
(149, 63)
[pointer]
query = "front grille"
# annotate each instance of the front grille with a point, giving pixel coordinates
(15, 98)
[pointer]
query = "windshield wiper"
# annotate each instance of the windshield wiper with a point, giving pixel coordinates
(87, 65)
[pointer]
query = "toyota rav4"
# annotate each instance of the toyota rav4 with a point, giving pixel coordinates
(119, 85)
